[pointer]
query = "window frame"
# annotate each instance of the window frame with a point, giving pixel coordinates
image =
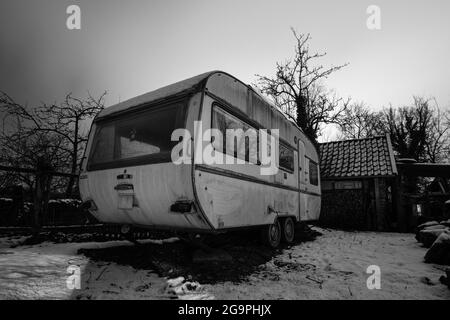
(215, 105)
(317, 173)
(244, 118)
(162, 157)
(289, 170)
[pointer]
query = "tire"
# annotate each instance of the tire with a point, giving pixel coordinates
(271, 234)
(288, 230)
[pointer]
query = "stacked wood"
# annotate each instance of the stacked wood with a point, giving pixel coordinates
(445, 223)
(435, 236)
(440, 250)
(446, 279)
(428, 232)
(426, 224)
(344, 209)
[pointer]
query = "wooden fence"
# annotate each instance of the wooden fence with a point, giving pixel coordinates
(43, 176)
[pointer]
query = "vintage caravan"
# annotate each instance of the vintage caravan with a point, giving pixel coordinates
(129, 175)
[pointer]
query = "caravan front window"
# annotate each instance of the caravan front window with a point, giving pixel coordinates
(137, 138)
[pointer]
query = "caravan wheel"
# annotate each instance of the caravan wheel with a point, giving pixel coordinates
(288, 230)
(271, 234)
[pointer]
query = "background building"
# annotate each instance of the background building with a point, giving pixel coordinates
(358, 184)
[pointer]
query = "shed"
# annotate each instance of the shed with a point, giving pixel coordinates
(358, 181)
(414, 206)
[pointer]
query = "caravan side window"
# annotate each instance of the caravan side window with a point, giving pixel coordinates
(313, 173)
(242, 144)
(286, 160)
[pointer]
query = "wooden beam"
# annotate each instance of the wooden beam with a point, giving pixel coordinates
(398, 199)
(378, 208)
(16, 169)
(29, 170)
(424, 169)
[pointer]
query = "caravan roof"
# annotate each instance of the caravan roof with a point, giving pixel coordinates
(180, 87)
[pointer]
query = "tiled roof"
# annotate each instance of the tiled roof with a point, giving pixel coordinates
(368, 157)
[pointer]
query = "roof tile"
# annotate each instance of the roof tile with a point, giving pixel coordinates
(356, 158)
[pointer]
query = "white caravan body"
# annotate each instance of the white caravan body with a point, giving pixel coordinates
(129, 178)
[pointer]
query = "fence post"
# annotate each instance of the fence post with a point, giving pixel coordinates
(44, 174)
(43, 178)
(18, 205)
(36, 227)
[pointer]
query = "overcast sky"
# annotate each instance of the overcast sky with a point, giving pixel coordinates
(131, 47)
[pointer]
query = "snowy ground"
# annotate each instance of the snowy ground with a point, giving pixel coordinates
(331, 267)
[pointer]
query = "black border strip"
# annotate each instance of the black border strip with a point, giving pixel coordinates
(240, 176)
(193, 146)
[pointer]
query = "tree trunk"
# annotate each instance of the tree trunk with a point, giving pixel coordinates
(73, 170)
(38, 195)
(302, 119)
(301, 113)
(41, 195)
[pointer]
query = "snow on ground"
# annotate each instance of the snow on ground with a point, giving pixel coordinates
(334, 267)
(331, 267)
(41, 272)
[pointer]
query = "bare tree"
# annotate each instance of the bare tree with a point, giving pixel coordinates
(25, 141)
(420, 131)
(407, 127)
(297, 89)
(67, 120)
(56, 133)
(360, 122)
(38, 152)
(437, 144)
